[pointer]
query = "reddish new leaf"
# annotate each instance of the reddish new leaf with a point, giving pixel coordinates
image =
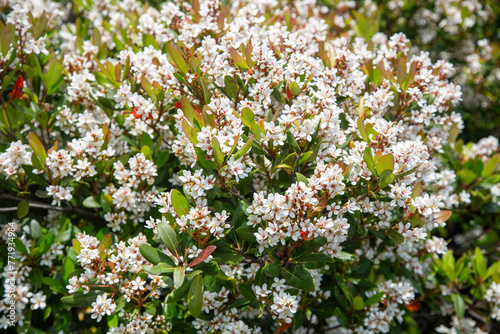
(18, 89)
(202, 256)
(284, 327)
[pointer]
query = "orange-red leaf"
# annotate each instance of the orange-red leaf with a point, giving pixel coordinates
(202, 256)
(18, 89)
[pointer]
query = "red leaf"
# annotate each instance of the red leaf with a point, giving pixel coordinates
(178, 105)
(202, 256)
(18, 89)
(284, 327)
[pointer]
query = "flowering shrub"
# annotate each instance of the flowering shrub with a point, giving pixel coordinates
(460, 31)
(212, 167)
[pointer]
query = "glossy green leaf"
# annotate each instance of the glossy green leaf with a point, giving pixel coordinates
(385, 162)
(248, 117)
(154, 255)
(294, 88)
(246, 233)
(179, 274)
(203, 161)
(397, 237)
(368, 158)
(178, 59)
(37, 147)
(244, 149)
(91, 202)
(180, 203)
(169, 238)
(219, 157)
(362, 130)
(299, 278)
(272, 267)
(374, 299)
(314, 261)
(195, 296)
(247, 292)
(386, 178)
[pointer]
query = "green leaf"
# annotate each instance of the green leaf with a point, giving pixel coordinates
(305, 157)
(53, 78)
(160, 269)
(299, 278)
(246, 233)
(385, 162)
(37, 147)
(362, 130)
(106, 242)
(7, 37)
(396, 236)
(77, 246)
(180, 203)
(358, 303)
(247, 117)
(247, 292)
(112, 320)
(150, 253)
(386, 178)
(207, 164)
(179, 274)
(68, 266)
(19, 245)
(314, 261)
(382, 236)
(230, 87)
(294, 88)
(368, 157)
(346, 257)
(47, 311)
(80, 299)
(162, 158)
(45, 242)
(491, 166)
(54, 285)
(291, 141)
(308, 247)
(23, 208)
(180, 293)
(479, 263)
(169, 238)
(272, 267)
(178, 59)
(35, 230)
(238, 59)
(244, 149)
(458, 304)
(195, 296)
(146, 141)
(374, 299)
(91, 202)
(301, 178)
(219, 157)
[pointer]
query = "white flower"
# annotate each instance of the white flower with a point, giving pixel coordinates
(38, 301)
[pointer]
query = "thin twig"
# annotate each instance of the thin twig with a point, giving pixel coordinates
(12, 208)
(46, 206)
